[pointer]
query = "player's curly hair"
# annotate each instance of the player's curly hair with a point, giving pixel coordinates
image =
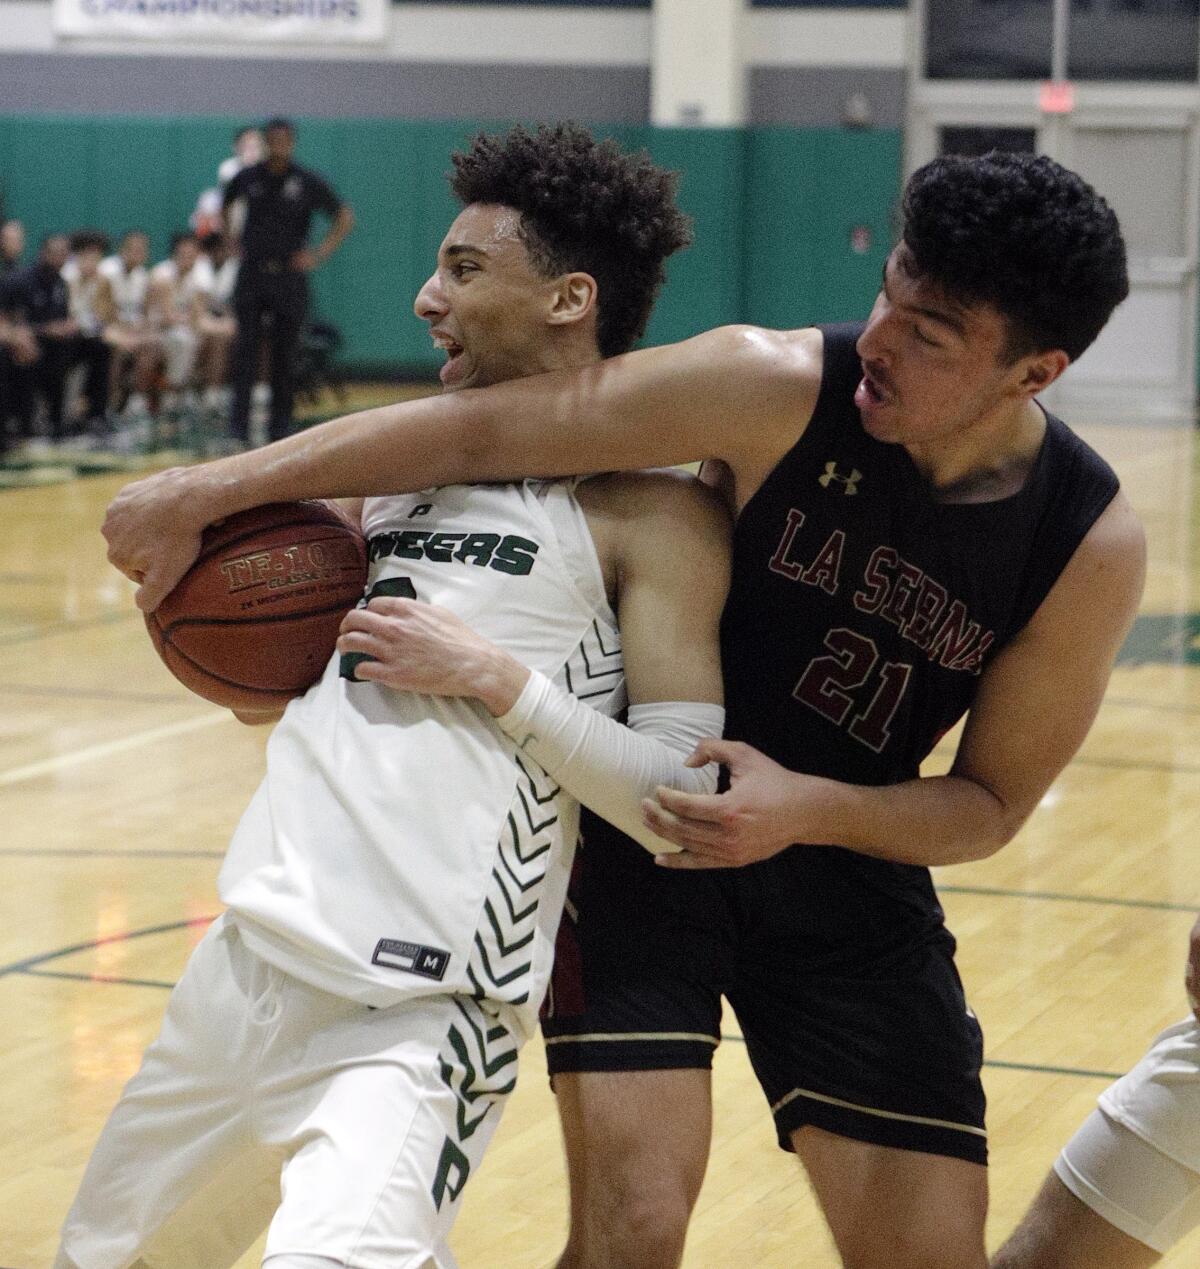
(1023, 234)
(587, 206)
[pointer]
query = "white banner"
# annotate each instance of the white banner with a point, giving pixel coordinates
(226, 21)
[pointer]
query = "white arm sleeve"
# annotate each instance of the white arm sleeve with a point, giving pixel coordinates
(607, 767)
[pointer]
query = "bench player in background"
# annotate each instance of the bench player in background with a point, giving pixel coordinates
(394, 888)
(916, 538)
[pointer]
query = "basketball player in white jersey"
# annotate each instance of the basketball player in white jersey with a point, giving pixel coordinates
(1126, 1187)
(346, 1034)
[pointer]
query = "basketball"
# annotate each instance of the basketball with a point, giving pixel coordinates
(254, 620)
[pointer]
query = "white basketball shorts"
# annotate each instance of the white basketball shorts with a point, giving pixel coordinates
(1136, 1160)
(351, 1131)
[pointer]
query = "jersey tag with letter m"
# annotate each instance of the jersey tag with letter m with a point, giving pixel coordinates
(429, 962)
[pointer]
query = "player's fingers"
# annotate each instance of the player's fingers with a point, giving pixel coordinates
(714, 749)
(363, 619)
(684, 832)
(372, 669)
(704, 753)
(360, 641)
(383, 625)
(157, 583)
(389, 605)
(692, 806)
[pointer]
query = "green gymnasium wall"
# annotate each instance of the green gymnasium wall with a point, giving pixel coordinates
(774, 210)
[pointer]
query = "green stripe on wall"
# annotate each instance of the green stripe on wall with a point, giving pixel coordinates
(774, 210)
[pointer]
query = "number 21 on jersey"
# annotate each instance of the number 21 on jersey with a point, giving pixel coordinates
(834, 684)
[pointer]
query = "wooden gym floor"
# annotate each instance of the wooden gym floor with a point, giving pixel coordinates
(118, 792)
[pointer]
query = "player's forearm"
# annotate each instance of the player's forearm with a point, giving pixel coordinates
(653, 408)
(931, 821)
(374, 452)
(606, 766)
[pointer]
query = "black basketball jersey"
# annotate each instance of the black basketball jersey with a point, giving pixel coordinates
(862, 611)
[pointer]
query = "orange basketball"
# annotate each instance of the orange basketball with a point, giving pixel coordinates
(254, 621)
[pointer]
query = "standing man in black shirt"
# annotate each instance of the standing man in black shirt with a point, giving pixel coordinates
(272, 284)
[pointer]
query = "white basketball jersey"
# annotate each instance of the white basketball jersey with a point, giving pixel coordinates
(400, 844)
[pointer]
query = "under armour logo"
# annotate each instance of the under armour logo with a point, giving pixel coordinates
(831, 474)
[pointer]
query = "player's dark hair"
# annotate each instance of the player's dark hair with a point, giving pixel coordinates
(1023, 234)
(585, 206)
(90, 239)
(279, 124)
(182, 235)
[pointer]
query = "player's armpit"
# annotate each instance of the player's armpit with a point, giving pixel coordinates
(666, 538)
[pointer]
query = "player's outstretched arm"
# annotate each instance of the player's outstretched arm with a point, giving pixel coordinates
(737, 393)
(1035, 704)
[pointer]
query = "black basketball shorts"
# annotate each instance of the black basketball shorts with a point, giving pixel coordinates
(838, 968)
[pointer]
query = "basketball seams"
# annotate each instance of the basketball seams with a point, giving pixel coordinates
(263, 619)
(289, 621)
(280, 696)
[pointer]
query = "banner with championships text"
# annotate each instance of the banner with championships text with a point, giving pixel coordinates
(233, 21)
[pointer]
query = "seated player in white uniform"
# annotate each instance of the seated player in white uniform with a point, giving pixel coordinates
(337, 1053)
(1126, 1187)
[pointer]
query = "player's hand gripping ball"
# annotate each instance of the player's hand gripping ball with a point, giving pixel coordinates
(255, 619)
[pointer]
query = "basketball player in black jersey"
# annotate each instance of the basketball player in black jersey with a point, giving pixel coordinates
(916, 537)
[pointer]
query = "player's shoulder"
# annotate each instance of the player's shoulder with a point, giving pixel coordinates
(767, 383)
(791, 357)
(1102, 582)
(1116, 542)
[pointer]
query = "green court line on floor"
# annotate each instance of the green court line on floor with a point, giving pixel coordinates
(1035, 1067)
(98, 978)
(1057, 896)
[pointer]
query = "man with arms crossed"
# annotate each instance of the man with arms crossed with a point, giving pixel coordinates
(350, 1025)
(1126, 1187)
(915, 538)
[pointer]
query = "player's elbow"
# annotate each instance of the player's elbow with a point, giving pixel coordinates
(994, 823)
(998, 832)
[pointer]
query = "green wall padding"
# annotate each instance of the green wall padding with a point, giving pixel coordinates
(775, 210)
